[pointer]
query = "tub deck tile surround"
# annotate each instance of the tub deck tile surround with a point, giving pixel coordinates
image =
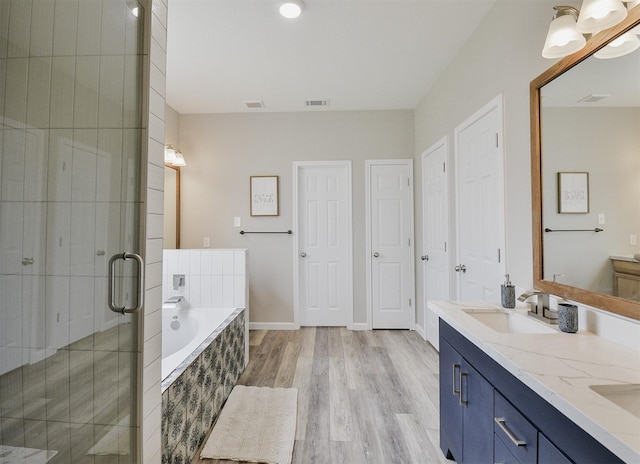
(193, 395)
(363, 397)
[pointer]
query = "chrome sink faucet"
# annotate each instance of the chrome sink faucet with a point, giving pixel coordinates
(540, 309)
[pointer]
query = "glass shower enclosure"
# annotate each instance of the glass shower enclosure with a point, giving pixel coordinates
(71, 138)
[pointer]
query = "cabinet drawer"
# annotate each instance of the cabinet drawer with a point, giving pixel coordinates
(548, 453)
(515, 432)
(502, 455)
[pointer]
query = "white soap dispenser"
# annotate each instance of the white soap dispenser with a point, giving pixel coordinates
(508, 293)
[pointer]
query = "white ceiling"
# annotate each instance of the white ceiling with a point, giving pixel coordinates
(358, 54)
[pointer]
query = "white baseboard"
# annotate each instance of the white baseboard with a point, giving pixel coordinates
(421, 331)
(273, 326)
(360, 326)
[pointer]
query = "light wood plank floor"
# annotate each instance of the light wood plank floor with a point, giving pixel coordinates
(363, 397)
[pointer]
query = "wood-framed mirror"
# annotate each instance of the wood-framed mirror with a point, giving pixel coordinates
(171, 207)
(551, 120)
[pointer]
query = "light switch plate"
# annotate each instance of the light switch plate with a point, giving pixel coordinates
(633, 239)
(601, 218)
(206, 242)
(237, 222)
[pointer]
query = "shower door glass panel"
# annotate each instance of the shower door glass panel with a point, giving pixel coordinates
(70, 167)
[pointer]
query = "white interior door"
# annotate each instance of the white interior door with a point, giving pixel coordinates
(480, 187)
(435, 231)
(323, 244)
(390, 243)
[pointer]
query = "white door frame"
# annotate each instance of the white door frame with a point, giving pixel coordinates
(297, 166)
(444, 144)
(495, 104)
(368, 166)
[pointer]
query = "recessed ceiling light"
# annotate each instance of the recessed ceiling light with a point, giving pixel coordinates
(291, 8)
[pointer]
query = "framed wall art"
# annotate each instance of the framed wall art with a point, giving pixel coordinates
(573, 192)
(264, 196)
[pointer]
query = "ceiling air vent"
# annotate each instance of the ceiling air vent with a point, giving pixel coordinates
(254, 103)
(316, 103)
(593, 98)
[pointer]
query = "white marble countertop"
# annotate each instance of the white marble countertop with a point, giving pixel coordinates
(560, 367)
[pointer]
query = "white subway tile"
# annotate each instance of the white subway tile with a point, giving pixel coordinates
(16, 90)
(84, 165)
(239, 293)
(36, 164)
(4, 26)
(206, 292)
(109, 165)
(183, 262)
(195, 290)
(89, 26)
(34, 236)
(11, 232)
(160, 9)
(12, 167)
(156, 104)
(60, 159)
(155, 201)
(57, 304)
(227, 262)
(155, 177)
(206, 262)
(19, 29)
(159, 31)
(58, 238)
(156, 130)
(65, 27)
(195, 258)
(157, 81)
(154, 251)
(85, 107)
(153, 276)
(42, 28)
(152, 360)
(227, 291)
(156, 154)
(38, 92)
(63, 70)
(217, 299)
(158, 56)
(82, 241)
(216, 262)
(155, 226)
(239, 262)
(111, 93)
(114, 13)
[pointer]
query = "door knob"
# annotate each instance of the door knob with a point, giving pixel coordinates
(460, 268)
(376, 254)
(424, 257)
(303, 255)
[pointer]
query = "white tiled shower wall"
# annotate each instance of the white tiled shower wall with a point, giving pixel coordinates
(213, 278)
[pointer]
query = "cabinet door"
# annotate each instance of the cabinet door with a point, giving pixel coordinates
(477, 399)
(548, 453)
(450, 409)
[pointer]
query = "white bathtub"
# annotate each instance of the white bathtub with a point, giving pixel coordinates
(183, 330)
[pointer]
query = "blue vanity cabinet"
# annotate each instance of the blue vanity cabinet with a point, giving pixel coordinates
(470, 433)
(466, 426)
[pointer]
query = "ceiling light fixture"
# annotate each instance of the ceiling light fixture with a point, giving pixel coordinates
(569, 26)
(624, 44)
(291, 8)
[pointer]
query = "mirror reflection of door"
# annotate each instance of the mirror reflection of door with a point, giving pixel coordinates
(171, 207)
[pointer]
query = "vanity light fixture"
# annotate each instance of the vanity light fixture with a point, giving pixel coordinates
(291, 8)
(624, 44)
(173, 157)
(563, 39)
(597, 15)
(569, 26)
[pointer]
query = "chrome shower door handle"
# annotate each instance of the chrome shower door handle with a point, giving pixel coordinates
(460, 268)
(111, 294)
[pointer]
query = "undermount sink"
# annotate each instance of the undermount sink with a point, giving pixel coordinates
(509, 322)
(627, 396)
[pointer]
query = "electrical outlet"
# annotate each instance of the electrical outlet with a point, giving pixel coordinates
(206, 242)
(633, 239)
(601, 218)
(237, 222)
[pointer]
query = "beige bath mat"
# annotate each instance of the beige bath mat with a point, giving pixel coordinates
(257, 424)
